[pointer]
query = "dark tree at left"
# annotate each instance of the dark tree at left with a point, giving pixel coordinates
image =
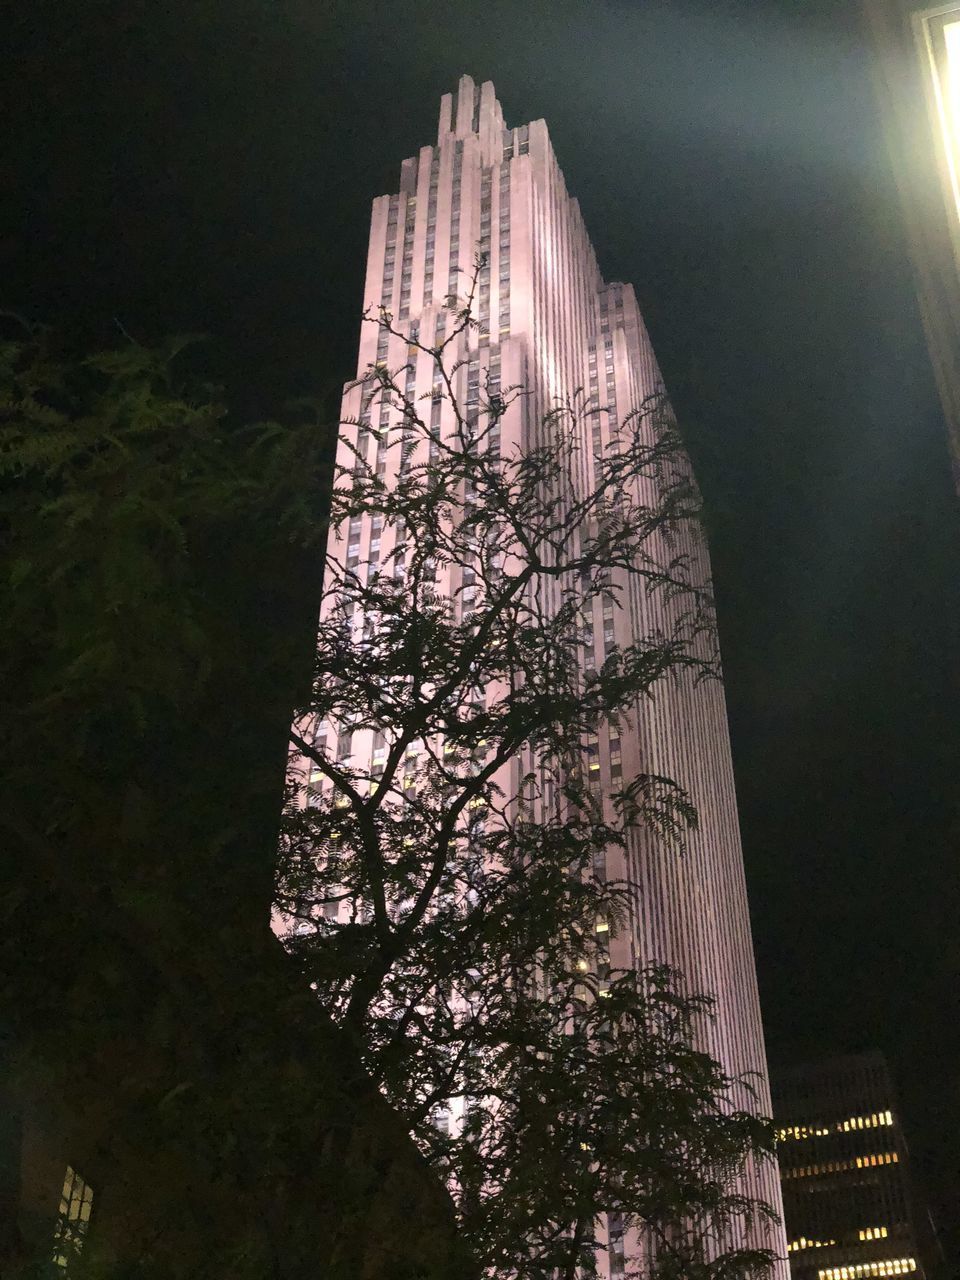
(153, 623)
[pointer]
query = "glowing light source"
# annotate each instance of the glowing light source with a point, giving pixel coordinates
(939, 34)
(951, 94)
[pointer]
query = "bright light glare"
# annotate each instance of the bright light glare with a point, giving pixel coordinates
(947, 86)
(951, 37)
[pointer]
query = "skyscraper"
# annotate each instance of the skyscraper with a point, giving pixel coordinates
(850, 1211)
(549, 323)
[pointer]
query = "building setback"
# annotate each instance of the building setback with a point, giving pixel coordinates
(549, 323)
(844, 1168)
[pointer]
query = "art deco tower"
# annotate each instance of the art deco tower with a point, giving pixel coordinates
(549, 323)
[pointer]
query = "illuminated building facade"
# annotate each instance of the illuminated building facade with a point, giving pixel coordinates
(844, 1169)
(548, 322)
(917, 74)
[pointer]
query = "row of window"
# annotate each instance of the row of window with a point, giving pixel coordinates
(860, 1270)
(407, 261)
(454, 262)
(609, 381)
(504, 246)
(865, 1233)
(875, 1120)
(389, 259)
(483, 280)
(431, 226)
(611, 388)
(595, 429)
(841, 1166)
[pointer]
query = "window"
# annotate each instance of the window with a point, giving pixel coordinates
(615, 1234)
(73, 1219)
(861, 1270)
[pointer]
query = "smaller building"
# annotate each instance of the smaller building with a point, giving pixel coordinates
(844, 1168)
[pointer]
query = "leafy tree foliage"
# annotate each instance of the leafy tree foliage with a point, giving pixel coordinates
(126, 491)
(465, 959)
(449, 900)
(147, 1015)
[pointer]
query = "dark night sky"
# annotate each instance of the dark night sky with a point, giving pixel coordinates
(210, 167)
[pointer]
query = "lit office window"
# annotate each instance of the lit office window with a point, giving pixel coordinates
(862, 1270)
(73, 1219)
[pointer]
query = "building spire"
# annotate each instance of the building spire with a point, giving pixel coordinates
(471, 109)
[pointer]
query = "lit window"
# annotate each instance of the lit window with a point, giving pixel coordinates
(73, 1219)
(857, 1271)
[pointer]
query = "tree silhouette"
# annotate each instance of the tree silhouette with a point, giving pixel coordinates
(443, 875)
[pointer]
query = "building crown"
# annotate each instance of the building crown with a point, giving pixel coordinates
(471, 109)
